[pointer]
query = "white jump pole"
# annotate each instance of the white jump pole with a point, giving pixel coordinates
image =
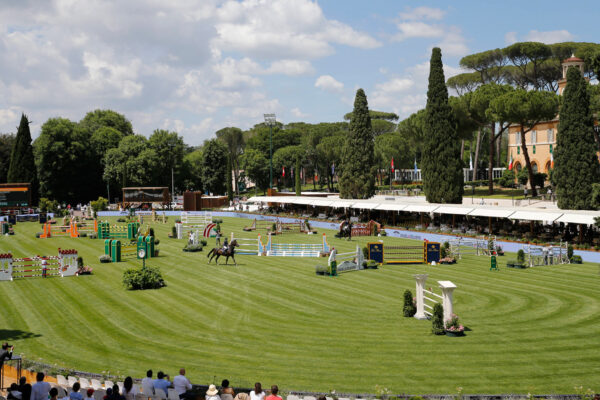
(420, 285)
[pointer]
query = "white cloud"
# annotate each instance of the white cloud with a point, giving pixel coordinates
(549, 37)
(329, 83)
(290, 67)
(417, 29)
(297, 113)
(395, 85)
(510, 37)
(420, 13)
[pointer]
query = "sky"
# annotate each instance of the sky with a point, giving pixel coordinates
(195, 67)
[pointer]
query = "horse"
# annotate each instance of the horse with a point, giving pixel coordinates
(218, 252)
(346, 230)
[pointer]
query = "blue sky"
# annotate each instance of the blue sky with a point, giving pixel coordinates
(198, 66)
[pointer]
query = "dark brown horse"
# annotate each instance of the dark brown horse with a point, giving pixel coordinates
(218, 252)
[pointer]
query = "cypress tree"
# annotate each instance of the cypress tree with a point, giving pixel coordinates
(575, 158)
(441, 165)
(297, 176)
(357, 180)
(22, 164)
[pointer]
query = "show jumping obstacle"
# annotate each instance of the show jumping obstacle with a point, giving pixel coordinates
(261, 224)
(118, 251)
(129, 231)
(480, 246)
(198, 223)
(445, 298)
(350, 261)
(546, 255)
(293, 249)
(65, 264)
(249, 247)
(427, 253)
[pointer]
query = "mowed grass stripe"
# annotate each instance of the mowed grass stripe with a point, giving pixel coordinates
(272, 319)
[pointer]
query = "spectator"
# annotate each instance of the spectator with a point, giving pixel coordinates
(53, 393)
(181, 384)
(273, 395)
(129, 390)
(24, 388)
(161, 383)
(212, 393)
(257, 393)
(108, 393)
(242, 396)
(75, 395)
(115, 395)
(14, 393)
(40, 389)
(225, 389)
(5, 353)
(89, 394)
(147, 384)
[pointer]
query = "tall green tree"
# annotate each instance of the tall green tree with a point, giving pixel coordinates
(233, 138)
(441, 165)
(64, 161)
(132, 163)
(358, 162)
(214, 167)
(7, 142)
(22, 162)
(170, 149)
(576, 162)
(256, 167)
(97, 119)
(527, 109)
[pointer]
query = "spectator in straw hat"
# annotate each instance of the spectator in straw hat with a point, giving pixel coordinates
(212, 393)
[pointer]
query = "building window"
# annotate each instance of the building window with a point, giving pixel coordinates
(534, 149)
(550, 136)
(518, 137)
(533, 137)
(518, 167)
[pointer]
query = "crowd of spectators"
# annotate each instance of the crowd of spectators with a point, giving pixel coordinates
(152, 387)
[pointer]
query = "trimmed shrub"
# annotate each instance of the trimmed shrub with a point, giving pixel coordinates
(192, 248)
(92, 236)
(143, 278)
(321, 269)
(203, 242)
(409, 309)
(521, 256)
(437, 320)
(576, 259)
(38, 234)
(217, 221)
(370, 264)
(173, 233)
(570, 251)
(121, 219)
(443, 252)
(105, 258)
(365, 251)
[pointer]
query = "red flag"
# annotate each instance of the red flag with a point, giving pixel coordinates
(510, 164)
(283, 172)
(392, 164)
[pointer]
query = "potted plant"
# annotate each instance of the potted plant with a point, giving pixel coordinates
(454, 328)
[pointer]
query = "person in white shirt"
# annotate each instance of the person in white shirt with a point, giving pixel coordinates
(40, 390)
(181, 384)
(147, 385)
(257, 393)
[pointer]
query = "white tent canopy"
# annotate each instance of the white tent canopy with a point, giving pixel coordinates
(527, 215)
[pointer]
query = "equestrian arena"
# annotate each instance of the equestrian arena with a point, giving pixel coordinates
(527, 330)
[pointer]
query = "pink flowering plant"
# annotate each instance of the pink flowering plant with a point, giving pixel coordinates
(453, 324)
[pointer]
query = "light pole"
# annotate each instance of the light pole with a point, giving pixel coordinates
(171, 146)
(270, 120)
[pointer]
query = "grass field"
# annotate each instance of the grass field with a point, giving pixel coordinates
(273, 320)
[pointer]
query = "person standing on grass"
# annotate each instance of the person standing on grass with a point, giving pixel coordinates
(181, 384)
(40, 389)
(273, 395)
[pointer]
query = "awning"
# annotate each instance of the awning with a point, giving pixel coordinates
(579, 218)
(365, 206)
(536, 215)
(453, 210)
(491, 212)
(420, 208)
(391, 207)
(342, 204)
(322, 203)
(301, 200)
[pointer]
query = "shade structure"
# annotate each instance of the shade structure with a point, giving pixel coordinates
(391, 207)
(526, 215)
(491, 212)
(322, 203)
(365, 205)
(585, 218)
(453, 210)
(420, 208)
(337, 203)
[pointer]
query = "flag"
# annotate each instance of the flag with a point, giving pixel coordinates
(551, 160)
(470, 160)
(316, 176)
(392, 165)
(283, 171)
(416, 164)
(333, 169)
(301, 169)
(510, 164)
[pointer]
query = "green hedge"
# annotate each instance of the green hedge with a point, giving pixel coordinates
(143, 278)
